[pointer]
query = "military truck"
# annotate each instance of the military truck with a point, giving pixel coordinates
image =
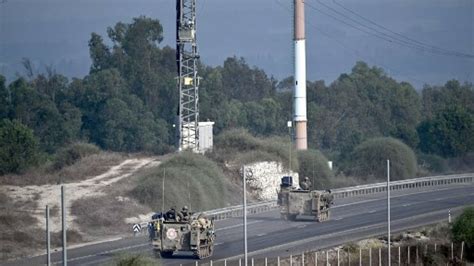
(296, 201)
(195, 234)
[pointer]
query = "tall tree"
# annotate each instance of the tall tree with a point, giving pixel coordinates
(18, 147)
(450, 133)
(4, 99)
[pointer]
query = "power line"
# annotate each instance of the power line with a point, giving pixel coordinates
(399, 34)
(354, 51)
(382, 35)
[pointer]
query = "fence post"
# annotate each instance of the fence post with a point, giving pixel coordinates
(462, 249)
(225, 262)
(211, 262)
(266, 261)
(399, 256)
(327, 258)
(338, 264)
(196, 263)
(380, 257)
(360, 257)
(278, 260)
(370, 256)
(291, 260)
(315, 258)
(408, 255)
(302, 258)
(240, 262)
(252, 262)
(435, 248)
(452, 251)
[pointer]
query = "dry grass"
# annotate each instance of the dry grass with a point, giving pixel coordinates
(91, 165)
(18, 233)
(105, 215)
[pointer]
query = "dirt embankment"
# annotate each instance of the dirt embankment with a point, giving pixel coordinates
(23, 218)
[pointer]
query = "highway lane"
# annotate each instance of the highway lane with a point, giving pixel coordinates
(352, 218)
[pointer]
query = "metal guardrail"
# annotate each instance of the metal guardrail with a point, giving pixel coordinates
(236, 211)
(258, 207)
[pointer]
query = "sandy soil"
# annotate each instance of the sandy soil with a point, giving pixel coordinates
(51, 194)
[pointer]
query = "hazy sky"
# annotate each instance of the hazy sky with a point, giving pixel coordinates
(56, 32)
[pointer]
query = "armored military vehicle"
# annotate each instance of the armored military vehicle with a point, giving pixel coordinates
(296, 201)
(195, 234)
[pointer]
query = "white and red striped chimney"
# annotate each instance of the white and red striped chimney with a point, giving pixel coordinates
(299, 95)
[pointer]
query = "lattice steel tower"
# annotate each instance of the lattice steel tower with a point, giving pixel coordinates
(188, 80)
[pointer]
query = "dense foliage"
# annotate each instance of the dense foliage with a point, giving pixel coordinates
(370, 159)
(18, 147)
(313, 164)
(128, 102)
(189, 179)
(463, 230)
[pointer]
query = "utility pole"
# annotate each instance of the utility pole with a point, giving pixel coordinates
(244, 181)
(187, 81)
(246, 174)
(48, 238)
(388, 212)
(63, 210)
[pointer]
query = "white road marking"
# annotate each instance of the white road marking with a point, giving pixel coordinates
(372, 211)
(301, 226)
(261, 234)
(337, 219)
(406, 205)
(237, 225)
(217, 244)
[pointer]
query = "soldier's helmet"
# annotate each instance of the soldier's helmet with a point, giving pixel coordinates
(185, 208)
(306, 178)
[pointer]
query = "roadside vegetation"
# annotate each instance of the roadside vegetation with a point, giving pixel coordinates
(128, 259)
(189, 179)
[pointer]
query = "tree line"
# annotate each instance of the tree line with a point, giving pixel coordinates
(128, 102)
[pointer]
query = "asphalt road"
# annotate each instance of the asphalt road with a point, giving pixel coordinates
(268, 235)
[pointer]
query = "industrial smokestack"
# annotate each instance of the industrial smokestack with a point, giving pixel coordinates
(299, 95)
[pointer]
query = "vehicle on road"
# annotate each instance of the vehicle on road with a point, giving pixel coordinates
(297, 201)
(195, 234)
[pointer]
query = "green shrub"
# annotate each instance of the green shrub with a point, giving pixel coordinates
(73, 153)
(433, 163)
(240, 147)
(463, 230)
(370, 159)
(190, 179)
(18, 147)
(127, 259)
(313, 164)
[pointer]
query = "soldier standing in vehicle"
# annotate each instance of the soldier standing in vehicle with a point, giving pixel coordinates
(185, 213)
(305, 184)
(171, 215)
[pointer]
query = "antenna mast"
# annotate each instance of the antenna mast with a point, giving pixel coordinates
(188, 80)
